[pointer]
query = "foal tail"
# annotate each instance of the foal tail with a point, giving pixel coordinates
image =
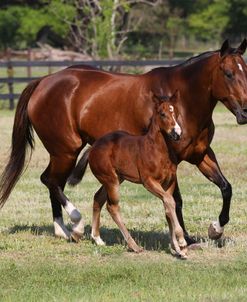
(22, 136)
(79, 170)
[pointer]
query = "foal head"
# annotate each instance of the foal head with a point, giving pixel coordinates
(167, 115)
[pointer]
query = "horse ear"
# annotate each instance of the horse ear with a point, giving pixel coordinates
(157, 100)
(224, 48)
(175, 96)
(242, 47)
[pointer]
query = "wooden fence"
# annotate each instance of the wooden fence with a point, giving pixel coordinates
(10, 79)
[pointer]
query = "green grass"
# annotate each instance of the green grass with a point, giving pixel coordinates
(36, 266)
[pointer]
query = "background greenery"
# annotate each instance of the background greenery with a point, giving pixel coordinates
(133, 28)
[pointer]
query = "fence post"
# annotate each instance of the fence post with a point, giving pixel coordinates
(29, 58)
(10, 73)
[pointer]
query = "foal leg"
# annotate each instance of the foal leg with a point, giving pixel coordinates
(54, 178)
(210, 168)
(100, 198)
(178, 242)
(114, 210)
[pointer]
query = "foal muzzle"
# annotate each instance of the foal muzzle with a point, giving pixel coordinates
(241, 116)
(174, 135)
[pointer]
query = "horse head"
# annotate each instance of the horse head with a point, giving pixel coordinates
(167, 115)
(229, 83)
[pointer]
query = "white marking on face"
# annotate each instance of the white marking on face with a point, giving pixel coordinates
(177, 128)
(171, 109)
(240, 67)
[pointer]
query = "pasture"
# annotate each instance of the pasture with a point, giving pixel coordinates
(36, 266)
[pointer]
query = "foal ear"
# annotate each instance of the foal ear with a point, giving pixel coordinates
(242, 47)
(224, 48)
(159, 99)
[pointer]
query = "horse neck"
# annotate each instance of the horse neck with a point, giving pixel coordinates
(194, 81)
(154, 134)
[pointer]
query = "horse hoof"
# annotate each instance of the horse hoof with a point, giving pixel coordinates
(135, 249)
(195, 247)
(182, 255)
(215, 231)
(97, 240)
(76, 237)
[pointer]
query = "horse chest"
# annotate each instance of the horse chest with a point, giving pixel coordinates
(195, 146)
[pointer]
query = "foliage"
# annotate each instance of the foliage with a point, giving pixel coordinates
(19, 25)
(103, 28)
(210, 22)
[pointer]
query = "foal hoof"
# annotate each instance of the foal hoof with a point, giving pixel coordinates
(215, 231)
(180, 255)
(76, 237)
(136, 250)
(97, 240)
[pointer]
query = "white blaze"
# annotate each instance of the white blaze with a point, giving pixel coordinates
(240, 67)
(177, 127)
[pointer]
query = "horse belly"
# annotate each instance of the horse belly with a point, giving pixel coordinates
(49, 110)
(114, 109)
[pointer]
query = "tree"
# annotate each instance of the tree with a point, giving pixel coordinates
(210, 22)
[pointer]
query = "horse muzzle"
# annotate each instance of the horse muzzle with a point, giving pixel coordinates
(241, 116)
(174, 135)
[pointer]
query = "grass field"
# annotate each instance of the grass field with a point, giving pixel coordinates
(36, 266)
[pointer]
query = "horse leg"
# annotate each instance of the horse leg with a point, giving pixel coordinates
(100, 198)
(179, 205)
(54, 178)
(114, 210)
(210, 168)
(178, 241)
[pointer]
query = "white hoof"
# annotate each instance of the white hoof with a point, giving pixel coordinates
(78, 227)
(215, 231)
(97, 240)
(60, 230)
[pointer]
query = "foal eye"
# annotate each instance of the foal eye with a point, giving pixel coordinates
(228, 74)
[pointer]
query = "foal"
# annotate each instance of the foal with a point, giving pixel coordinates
(146, 160)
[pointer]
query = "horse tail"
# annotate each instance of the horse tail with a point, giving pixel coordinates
(79, 170)
(22, 136)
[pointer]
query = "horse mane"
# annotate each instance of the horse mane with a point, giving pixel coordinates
(199, 57)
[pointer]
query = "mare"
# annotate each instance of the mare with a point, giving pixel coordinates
(146, 160)
(77, 105)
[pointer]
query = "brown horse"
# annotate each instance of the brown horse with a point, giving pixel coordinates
(75, 106)
(147, 160)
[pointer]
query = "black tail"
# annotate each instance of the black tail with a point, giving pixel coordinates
(79, 170)
(22, 136)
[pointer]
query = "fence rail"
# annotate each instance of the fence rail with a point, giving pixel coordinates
(10, 78)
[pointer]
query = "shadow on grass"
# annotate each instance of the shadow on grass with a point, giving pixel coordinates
(33, 229)
(149, 240)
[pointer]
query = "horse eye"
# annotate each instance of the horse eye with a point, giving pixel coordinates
(162, 114)
(229, 74)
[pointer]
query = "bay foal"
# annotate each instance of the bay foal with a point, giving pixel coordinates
(146, 160)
